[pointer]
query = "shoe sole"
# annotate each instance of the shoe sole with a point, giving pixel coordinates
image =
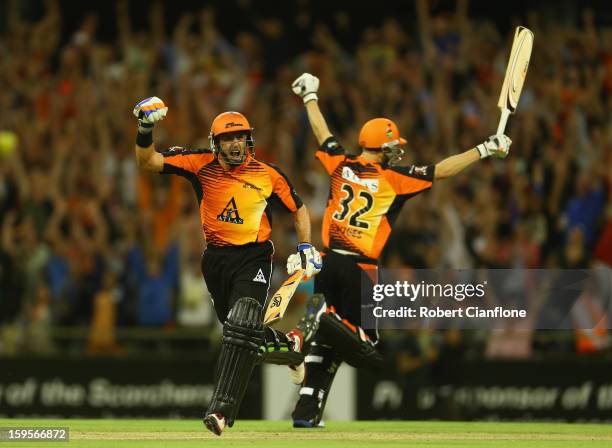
(283, 358)
(212, 425)
(320, 312)
(314, 321)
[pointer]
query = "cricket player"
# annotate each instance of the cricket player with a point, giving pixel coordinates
(366, 195)
(235, 192)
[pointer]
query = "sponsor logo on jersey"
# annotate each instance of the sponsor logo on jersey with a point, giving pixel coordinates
(349, 174)
(230, 213)
(421, 170)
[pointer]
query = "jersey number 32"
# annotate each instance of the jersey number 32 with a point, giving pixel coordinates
(365, 199)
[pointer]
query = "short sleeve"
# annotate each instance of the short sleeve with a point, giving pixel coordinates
(283, 193)
(330, 154)
(410, 180)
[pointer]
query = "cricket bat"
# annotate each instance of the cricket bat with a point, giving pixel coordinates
(277, 305)
(515, 75)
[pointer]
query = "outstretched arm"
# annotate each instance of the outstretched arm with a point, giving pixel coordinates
(454, 164)
(497, 146)
(306, 87)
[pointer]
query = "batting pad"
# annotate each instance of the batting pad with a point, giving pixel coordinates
(243, 334)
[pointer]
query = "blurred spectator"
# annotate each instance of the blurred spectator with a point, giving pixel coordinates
(72, 235)
(157, 283)
(603, 249)
(104, 317)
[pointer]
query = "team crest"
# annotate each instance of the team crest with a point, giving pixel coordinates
(230, 213)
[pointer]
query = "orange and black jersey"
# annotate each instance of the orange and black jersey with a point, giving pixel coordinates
(365, 199)
(234, 204)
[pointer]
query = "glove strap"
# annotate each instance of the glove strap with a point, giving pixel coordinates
(482, 150)
(144, 138)
(304, 246)
(310, 97)
(144, 128)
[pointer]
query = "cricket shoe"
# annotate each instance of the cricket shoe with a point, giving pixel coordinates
(215, 423)
(308, 424)
(309, 323)
(298, 371)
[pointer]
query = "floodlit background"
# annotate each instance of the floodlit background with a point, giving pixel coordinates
(103, 311)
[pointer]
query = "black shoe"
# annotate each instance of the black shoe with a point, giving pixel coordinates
(309, 323)
(307, 413)
(307, 424)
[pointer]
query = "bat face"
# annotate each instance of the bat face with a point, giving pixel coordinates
(281, 298)
(516, 72)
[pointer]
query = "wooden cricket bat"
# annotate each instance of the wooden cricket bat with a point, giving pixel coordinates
(515, 75)
(277, 305)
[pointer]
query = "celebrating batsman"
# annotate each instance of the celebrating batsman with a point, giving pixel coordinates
(366, 195)
(235, 192)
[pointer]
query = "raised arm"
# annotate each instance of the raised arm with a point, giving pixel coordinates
(148, 112)
(317, 122)
(306, 87)
(497, 146)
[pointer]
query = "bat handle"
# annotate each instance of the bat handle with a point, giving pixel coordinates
(501, 127)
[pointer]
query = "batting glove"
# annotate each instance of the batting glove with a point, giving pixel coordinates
(496, 145)
(306, 87)
(150, 110)
(307, 258)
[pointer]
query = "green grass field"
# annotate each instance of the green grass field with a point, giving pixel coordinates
(191, 433)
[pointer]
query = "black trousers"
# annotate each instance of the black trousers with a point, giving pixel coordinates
(342, 281)
(237, 271)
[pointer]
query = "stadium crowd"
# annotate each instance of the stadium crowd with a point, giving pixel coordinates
(88, 240)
